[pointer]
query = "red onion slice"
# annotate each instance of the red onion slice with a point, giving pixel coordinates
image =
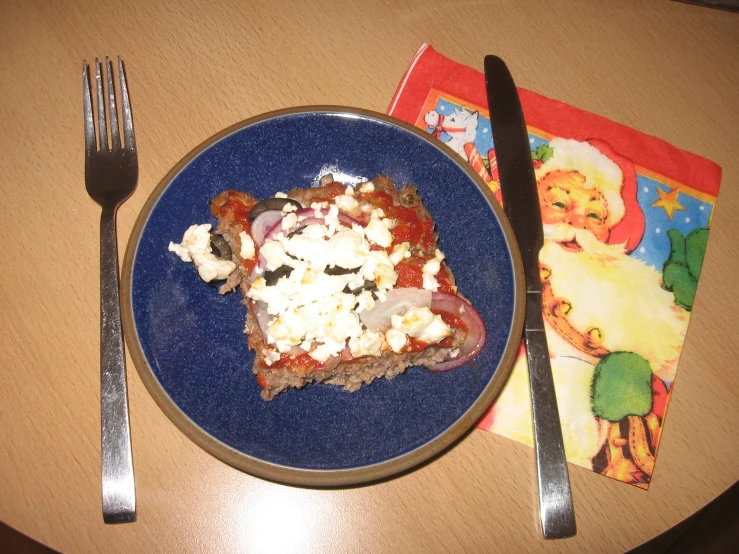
(263, 224)
(311, 213)
(260, 311)
(310, 218)
(476, 336)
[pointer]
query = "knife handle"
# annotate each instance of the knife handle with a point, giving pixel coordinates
(555, 497)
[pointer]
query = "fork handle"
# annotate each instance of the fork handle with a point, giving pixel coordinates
(118, 488)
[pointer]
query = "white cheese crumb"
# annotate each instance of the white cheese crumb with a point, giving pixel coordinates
(289, 221)
(396, 339)
(271, 356)
(430, 282)
(369, 186)
(433, 266)
(248, 250)
(182, 251)
(346, 203)
(377, 232)
(287, 208)
(195, 247)
(400, 251)
(274, 254)
(349, 190)
(324, 351)
(379, 269)
(365, 300)
(423, 324)
(369, 343)
(280, 195)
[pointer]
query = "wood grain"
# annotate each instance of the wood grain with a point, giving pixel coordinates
(665, 68)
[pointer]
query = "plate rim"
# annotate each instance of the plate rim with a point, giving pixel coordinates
(295, 475)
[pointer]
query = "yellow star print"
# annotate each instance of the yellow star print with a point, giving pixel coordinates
(668, 201)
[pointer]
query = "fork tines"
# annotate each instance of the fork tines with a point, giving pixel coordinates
(91, 144)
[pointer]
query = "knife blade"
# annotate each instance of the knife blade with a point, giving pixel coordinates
(521, 206)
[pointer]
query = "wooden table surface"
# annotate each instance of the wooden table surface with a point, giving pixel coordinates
(665, 68)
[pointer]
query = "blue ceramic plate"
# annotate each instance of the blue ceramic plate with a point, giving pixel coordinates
(187, 342)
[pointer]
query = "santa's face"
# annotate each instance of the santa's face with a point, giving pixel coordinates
(566, 202)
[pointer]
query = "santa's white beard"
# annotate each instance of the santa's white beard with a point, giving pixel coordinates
(621, 296)
(582, 433)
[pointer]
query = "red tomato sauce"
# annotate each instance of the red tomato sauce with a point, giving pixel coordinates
(452, 320)
(408, 226)
(410, 275)
(238, 209)
(300, 364)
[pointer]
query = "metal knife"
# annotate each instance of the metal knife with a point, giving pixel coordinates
(521, 205)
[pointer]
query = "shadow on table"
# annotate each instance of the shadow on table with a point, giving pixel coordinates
(715, 529)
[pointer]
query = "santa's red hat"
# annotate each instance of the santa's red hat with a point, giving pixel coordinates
(610, 173)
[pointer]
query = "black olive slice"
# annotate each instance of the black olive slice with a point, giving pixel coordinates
(297, 231)
(272, 204)
(271, 277)
(368, 285)
(220, 247)
(338, 270)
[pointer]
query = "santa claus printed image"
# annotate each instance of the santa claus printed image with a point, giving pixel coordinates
(615, 333)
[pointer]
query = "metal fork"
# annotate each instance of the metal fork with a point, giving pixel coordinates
(111, 175)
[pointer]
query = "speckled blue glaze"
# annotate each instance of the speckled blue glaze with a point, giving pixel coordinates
(192, 336)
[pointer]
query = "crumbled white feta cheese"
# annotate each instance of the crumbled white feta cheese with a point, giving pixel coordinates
(356, 280)
(423, 324)
(365, 300)
(324, 351)
(349, 190)
(280, 195)
(369, 186)
(347, 249)
(196, 237)
(368, 343)
(430, 282)
(433, 266)
(182, 251)
(379, 269)
(274, 254)
(211, 268)
(289, 221)
(346, 203)
(270, 356)
(195, 247)
(399, 252)
(396, 340)
(377, 232)
(287, 208)
(248, 249)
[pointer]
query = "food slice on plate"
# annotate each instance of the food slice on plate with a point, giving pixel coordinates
(342, 284)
